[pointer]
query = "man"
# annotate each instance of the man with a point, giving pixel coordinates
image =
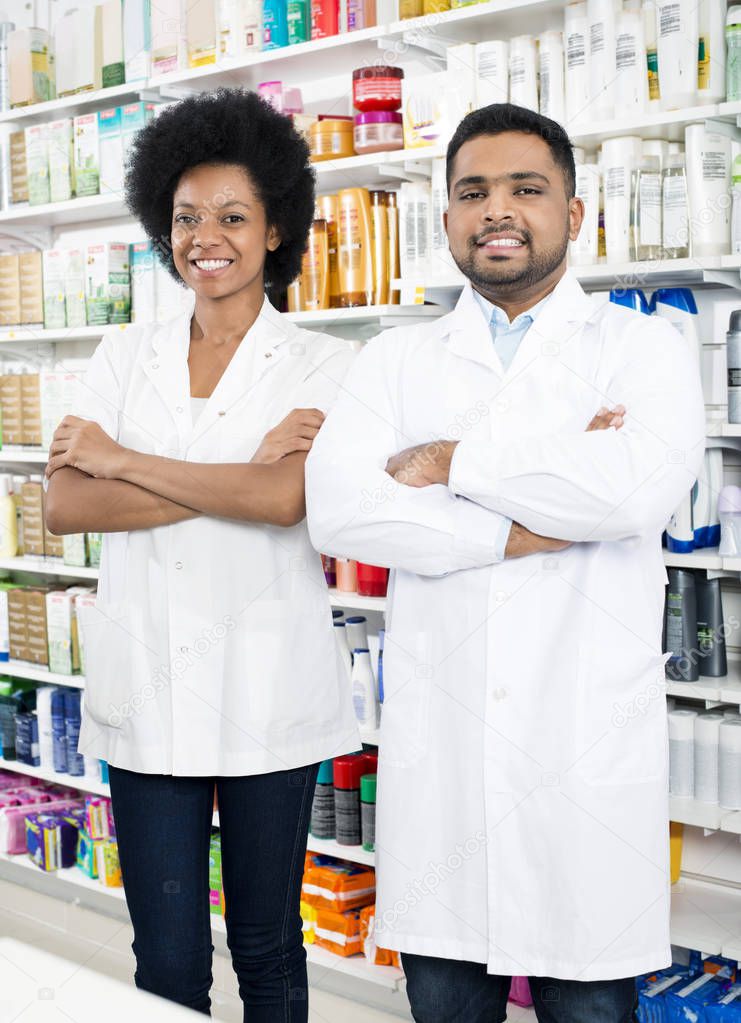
(522, 806)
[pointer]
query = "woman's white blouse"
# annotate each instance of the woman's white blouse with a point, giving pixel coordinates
(210, 650)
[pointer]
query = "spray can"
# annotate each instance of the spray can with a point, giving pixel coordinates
(322, 809)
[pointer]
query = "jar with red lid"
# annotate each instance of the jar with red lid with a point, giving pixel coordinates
(377, 88)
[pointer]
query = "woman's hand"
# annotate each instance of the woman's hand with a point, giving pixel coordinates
(295, 433)
(84, 445)
(606, 418)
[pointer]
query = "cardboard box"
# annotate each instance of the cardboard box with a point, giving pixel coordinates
(112, 44)
(28, 66)
(11, 403)
(31, 287)
(60, 392)
(137, 39)
(32, 497)
(169, 43)
(59, 613)
(38, 643)
(86, 155)
(18, 168)
(37, 164)
(61, 161)
(108, 283)
(143, 308)
(53, 545)
(55, 309)
(10, 290)
(134, 116)
(83, 600)
(74, 288)
(74, 550)
(31, 409)
(18, 623)
(110, 147)
(201, 33)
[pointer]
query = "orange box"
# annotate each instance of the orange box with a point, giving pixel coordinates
(338, 932)
(376, 955)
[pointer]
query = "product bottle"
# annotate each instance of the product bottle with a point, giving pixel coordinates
(733, 55)
(733, 358)
(678, 47)
(711, 62)
(652, 59)
(710, 627)
(252, 33)
(295, 296)
(701, 506)
(322, 809)
(329, 568)
(645, 217)
(584, 249)
(415, 229)
(492, 72)
(372, 580)
(347, 575)
(59, 739)
(601, 21)
(8, 519)
(729, 512)
(736, 207)
(675, 209)
(681, 753)
(680, 626)
(348, 771)
(72, 718)
(715, 485)
(380, 248)
(229, 39)
(326, 209)
(274, 24)
(729, 764)
(46, 736)
(619, 158)
(706, 742)
(523, 73)
(677, 305)
(381, 642)
(551, 70)
(343, 647)
(368, 811)
(708, 188)
(325, 18)
(680, 532)
(356, 632)
(315, 268)
(575, 32)
(392, 213)
(355, 249)
(631, 82)
(299, 21)
(631, 298)
(364, 696)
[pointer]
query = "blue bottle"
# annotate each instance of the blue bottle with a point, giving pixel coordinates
(632, 298)
(274, 24)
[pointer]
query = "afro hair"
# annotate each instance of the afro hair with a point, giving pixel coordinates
(229, 126)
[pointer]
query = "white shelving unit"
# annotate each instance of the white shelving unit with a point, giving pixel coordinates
(39, 673)
(47, 566)
(84, 784)
(704, 815)
(353, 853)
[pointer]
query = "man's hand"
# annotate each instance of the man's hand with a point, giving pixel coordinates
(521, 542)
(605, 419)
(294, 433)
(423, 464)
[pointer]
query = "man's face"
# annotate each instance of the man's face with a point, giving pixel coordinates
(509, 219)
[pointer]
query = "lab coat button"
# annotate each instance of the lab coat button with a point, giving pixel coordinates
(222, 413)
(268, 355)
(499, 694)
(155, 365)
(178, 564)
(180, 408)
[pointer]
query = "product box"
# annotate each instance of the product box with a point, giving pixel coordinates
(94, 548)
(66, 65)
(86, 858)
(18, 623)
(42, 840)
(169, 43)
(83, 600)
(31, 287)
(108, 283)
(110, 148)
(107, 863)
(28, 67)
(432, 106)
(32, 498)
(201, 33)
(59, 392)
(38, 644)
(339, 885)
(214, 874)
(53, 545)
(10, 290)
(134, 116)
(30, 409)
(37, 164)
(137, 39)
(18, 168)
(59, 614)
(112, 42)
(11, 403)
(86, 40)
(338, 932)
(5, 588)
(55, 310)
(86, 155)
(74, 551)
(143, 307)
(74, 288)
(461, 66)
(60, 159)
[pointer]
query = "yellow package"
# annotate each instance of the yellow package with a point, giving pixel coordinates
(109, 869)
(308, 917)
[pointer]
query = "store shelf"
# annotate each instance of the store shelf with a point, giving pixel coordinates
(712, 691)
(706, 557)
(665, 124)
(84, 784)
(374, 170)
(37, 335)
(355, 602)
(25, 455)
(71, 106)
(704, 815)
(38, 673)
(71, 879)
(717, 428)
(48, 566)
(353, 853)
(366, 314)
(73, 211)
(707, 917)
(497, 19)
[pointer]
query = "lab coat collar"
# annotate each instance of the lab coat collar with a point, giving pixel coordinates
(268, 341)
(467, 334)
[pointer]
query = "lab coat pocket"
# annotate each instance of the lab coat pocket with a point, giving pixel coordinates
(622, 713)
(107, 640)
(407, 682)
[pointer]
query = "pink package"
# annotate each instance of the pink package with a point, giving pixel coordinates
(11, 780)
(519, 991)
(13, 823)
(22, 797)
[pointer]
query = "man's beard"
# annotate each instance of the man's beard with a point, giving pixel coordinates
(504, 277)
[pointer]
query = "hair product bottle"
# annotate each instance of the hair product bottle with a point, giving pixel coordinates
(380, 245)
(355, 248)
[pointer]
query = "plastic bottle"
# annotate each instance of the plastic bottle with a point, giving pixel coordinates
(364, 696)
(675, 209)
(680, 533)
(619, 158)
(326, 209)
(631, 81)
(552, 98)
(355, 249)
(729, 511)
(356, 632)
(711, 61)
(680, 626)
(392, 213)
(523, 72)
(715, 485)
(315, 268)
(348, 771)
(729, 764)
(59, 739)
(733, 53)
(710, 631)
(677, 48)
(682, 753)
(72, 719)
(381, 641)
(736, 206)
(274, 24)
(601, 27)
(652, 59)
(708, 188)
(645, 220)
(347, 575)
(492, 72)
(8, 519)
(706, 736)
(583, 250)
(342, 646)
(322, 809)
(701, 506)
(733, 359)
(380, 254)
(415, 229)
(678, 306)
(368, 811)
(372, 580)
(577, 70)
(631, 298)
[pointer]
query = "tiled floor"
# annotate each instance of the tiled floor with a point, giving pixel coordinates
(94, 942)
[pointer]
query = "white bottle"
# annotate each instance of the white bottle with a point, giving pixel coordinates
(681, 753)
(619, 158)
(708, 157)
(43, 714)
(8, 519)
(736, 207)
(364, 695)
(729, 512)
(646, 210)
(583, 250)
(342, 647)
(492, 72)
(415, 229)
(675, 215)
(523, 74)
(715, 485)
(677, 38)
(576, 32)
(552, 82)
(729, 765)
(707, 732)
(711, 78)
(601, 19)
(678, 306)
(631, 81)
(356, 632)
(680, 533)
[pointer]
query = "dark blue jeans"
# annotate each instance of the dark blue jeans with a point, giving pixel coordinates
(163, 825)
(447, 991)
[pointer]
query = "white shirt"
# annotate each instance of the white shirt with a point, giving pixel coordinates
(211, 649)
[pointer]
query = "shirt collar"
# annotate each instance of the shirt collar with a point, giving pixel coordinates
(496, 314)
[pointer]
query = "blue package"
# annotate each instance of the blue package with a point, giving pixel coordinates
(75, 760)
(59, 740)
(728, 1008)
(27, 739)
(652, 991)
(688, 1004)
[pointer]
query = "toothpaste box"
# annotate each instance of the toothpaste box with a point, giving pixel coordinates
(110, 147)
(107, 283)
(61, 161)
(86, 155)
(37, 164)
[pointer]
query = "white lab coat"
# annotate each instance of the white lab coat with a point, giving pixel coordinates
(210, 650)
(522, 798)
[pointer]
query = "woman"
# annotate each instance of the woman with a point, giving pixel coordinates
(210, 652)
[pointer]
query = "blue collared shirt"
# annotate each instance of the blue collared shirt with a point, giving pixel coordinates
(506, 337)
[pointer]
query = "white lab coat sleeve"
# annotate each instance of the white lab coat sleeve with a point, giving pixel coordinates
(355, 509)
(321, 385)
(603, 485)
(99, 391)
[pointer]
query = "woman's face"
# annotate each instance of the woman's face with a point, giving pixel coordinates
(220, 235)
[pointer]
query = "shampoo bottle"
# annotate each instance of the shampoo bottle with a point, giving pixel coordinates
(355, 250)
(710, 628)
(680, 626)
(677, 34)
(677, 305)
(364, 696)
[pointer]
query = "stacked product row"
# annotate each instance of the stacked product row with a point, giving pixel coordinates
(38, 624)
(72, 156)
(706, 989)
(40, 727)
(695, 630)
(705, 756)
(344, 807)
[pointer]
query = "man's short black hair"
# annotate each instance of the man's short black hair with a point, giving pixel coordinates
(501, 117)
(229, 126)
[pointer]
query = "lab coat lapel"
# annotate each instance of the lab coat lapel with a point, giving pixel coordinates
(167, 367)
(468, 334)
